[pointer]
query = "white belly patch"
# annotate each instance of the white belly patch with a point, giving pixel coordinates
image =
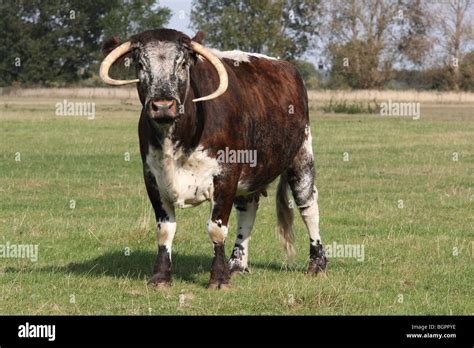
(184, 180)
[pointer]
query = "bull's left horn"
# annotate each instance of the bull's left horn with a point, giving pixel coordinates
(109, 60)
(216, 62)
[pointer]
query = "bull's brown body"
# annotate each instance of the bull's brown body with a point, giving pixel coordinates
(264, 109)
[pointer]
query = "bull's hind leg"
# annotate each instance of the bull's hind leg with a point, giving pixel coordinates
(300, 176)
(246, 211)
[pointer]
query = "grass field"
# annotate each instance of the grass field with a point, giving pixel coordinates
(400, 194)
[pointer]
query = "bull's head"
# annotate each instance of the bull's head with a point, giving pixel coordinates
(163, 59)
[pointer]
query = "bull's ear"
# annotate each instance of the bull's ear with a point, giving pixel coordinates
(109, 45)
(198, 37)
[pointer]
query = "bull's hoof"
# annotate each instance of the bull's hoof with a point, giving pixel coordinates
(158, 282)
(224, 287)
(236, 267)
(239, 271)
(218, 286)
(317, 259)
(159, 285)
(317, 266)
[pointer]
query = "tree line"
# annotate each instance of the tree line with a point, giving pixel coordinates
(57, 42)
(344, 44)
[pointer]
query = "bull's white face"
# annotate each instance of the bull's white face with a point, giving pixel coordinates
(163, 71)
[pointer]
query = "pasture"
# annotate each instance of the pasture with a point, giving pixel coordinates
(401, 188)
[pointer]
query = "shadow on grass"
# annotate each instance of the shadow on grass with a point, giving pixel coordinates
(138, 265)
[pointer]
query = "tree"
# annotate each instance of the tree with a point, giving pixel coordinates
(467, 72)
(355, 65)
(132, 16)
(416, 23)
(281, 28)
(53, 43)
(366, 38)
(454, 21)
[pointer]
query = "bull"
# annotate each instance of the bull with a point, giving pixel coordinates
(196, 102)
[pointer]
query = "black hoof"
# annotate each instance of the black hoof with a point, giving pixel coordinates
(317, 266)
(159, 281)
(317, 259)
(218, 286)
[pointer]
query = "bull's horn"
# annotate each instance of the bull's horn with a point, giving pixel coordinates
(109, 60)
(223, 78)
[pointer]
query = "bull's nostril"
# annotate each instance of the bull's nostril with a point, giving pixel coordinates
(161, 105)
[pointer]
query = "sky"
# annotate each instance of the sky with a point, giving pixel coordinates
(181, 12)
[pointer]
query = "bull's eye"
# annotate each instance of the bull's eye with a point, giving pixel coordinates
(183, 65)
(140, 66)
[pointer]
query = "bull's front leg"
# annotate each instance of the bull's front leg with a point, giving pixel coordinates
(217, 227)
(165, 231)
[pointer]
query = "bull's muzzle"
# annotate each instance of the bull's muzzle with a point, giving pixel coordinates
(162, 110)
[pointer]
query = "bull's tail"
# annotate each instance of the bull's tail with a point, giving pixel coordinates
(284, 210)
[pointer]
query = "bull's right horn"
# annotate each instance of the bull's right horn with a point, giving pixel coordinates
(220, 68)
(109, 60)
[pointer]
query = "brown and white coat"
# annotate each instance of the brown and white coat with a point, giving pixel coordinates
(263, 107)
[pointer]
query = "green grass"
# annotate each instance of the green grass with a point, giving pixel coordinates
(408, 251)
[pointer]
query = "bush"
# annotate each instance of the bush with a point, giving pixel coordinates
(343, 107)
(467, 72)
(308, 73)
